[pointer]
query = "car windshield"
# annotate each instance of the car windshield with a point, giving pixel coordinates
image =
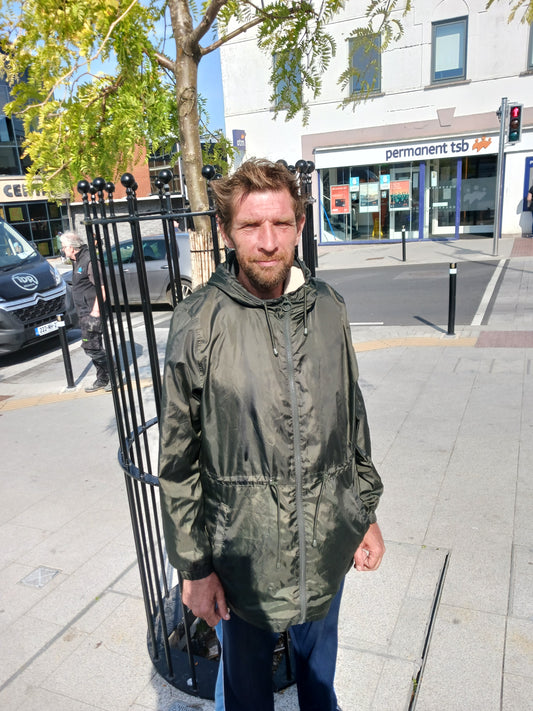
(13, 247)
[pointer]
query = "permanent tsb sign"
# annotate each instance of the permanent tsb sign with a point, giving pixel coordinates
(405, 152)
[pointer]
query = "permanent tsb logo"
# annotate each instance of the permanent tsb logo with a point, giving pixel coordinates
(453, 148)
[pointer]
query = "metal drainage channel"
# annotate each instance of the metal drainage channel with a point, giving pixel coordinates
(429, 632)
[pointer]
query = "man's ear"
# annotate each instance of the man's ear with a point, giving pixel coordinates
(226, 239)
(300, 227)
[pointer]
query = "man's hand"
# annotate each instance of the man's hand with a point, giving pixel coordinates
(206, 599)
(371, 550)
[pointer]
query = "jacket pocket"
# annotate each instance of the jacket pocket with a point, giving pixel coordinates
(341, 519)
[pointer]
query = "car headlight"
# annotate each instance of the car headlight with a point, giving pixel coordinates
(55, 274)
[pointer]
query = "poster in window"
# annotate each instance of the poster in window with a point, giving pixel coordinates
(340, 199)
(400, 195)
(369, 197)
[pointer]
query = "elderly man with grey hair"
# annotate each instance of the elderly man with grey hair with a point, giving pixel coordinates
(86, 302)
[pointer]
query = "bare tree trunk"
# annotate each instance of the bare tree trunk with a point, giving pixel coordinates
(186, 72)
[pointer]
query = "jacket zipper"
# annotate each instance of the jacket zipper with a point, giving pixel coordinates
(297, 463)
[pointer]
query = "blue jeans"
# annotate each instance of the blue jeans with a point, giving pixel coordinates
(247, 664)
(219, 687)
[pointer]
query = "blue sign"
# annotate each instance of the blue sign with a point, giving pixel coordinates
(239, 139)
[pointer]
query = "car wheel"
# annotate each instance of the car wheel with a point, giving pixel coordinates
(186, 289)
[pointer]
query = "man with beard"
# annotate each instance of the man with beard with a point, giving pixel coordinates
(267, 485)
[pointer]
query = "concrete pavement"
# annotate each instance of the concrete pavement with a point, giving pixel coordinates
(447, 621)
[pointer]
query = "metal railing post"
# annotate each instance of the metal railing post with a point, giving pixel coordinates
(65, 350)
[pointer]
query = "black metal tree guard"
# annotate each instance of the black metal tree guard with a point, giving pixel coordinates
(173, 633)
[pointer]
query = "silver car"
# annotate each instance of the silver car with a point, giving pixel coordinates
(157, 268)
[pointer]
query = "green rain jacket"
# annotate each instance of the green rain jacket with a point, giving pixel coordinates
(265, 470)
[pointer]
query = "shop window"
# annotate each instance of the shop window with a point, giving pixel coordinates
(478, 191)
(37, 211)
(16, 213)
(530, 49)
(365, 64)
(25, 230)
(288, 81)
(448, 61)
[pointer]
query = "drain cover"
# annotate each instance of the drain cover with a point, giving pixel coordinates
(40, 577)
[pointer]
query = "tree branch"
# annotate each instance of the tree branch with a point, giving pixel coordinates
(208, 19)
(227, 38)
(165, 62)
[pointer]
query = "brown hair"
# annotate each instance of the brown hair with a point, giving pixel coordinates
(254, 176)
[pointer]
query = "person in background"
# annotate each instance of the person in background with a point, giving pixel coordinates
(267, 485)
(86, 302)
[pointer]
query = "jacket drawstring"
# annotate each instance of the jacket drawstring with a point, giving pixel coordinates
(274, 487)
(305, 312)
(274, 349)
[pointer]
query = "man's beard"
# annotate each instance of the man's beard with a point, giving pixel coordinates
(266, 278)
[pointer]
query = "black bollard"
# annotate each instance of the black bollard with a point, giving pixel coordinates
(66, 353)
(403, 243)
(451, 299)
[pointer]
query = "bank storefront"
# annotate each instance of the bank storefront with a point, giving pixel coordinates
(428, 190)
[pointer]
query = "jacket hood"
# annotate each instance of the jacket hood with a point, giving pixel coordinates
(302, 298)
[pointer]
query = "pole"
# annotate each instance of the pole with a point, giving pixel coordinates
(502, 115)
(451, 299)
(403, 244)
(66, 353)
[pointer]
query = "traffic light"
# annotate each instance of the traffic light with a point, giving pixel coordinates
(515, 123)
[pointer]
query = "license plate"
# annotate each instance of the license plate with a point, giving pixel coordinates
(46, 328)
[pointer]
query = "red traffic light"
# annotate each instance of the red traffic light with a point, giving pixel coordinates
(515, 123)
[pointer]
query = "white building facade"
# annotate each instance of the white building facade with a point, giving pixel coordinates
(420, 154)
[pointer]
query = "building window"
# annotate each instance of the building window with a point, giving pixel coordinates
(365, 64)
(288, 82)
(448, 61)
(530, 49)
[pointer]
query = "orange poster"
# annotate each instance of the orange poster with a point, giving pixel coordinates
(400, 194)
(340, 199)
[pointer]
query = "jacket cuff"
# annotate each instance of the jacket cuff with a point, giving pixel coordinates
(372, 518)
(198, 570)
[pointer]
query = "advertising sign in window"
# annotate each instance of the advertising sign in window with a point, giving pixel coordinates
(400, 195)
(340, 199)
(369, 197)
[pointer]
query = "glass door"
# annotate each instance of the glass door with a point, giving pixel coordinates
(442, 197)
(404, 201)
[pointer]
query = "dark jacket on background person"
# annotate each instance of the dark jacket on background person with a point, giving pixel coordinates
(83, 288)
(265, 467)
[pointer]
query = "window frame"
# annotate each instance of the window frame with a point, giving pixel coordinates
(352, 53)
(463, 51)
(530, 49)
